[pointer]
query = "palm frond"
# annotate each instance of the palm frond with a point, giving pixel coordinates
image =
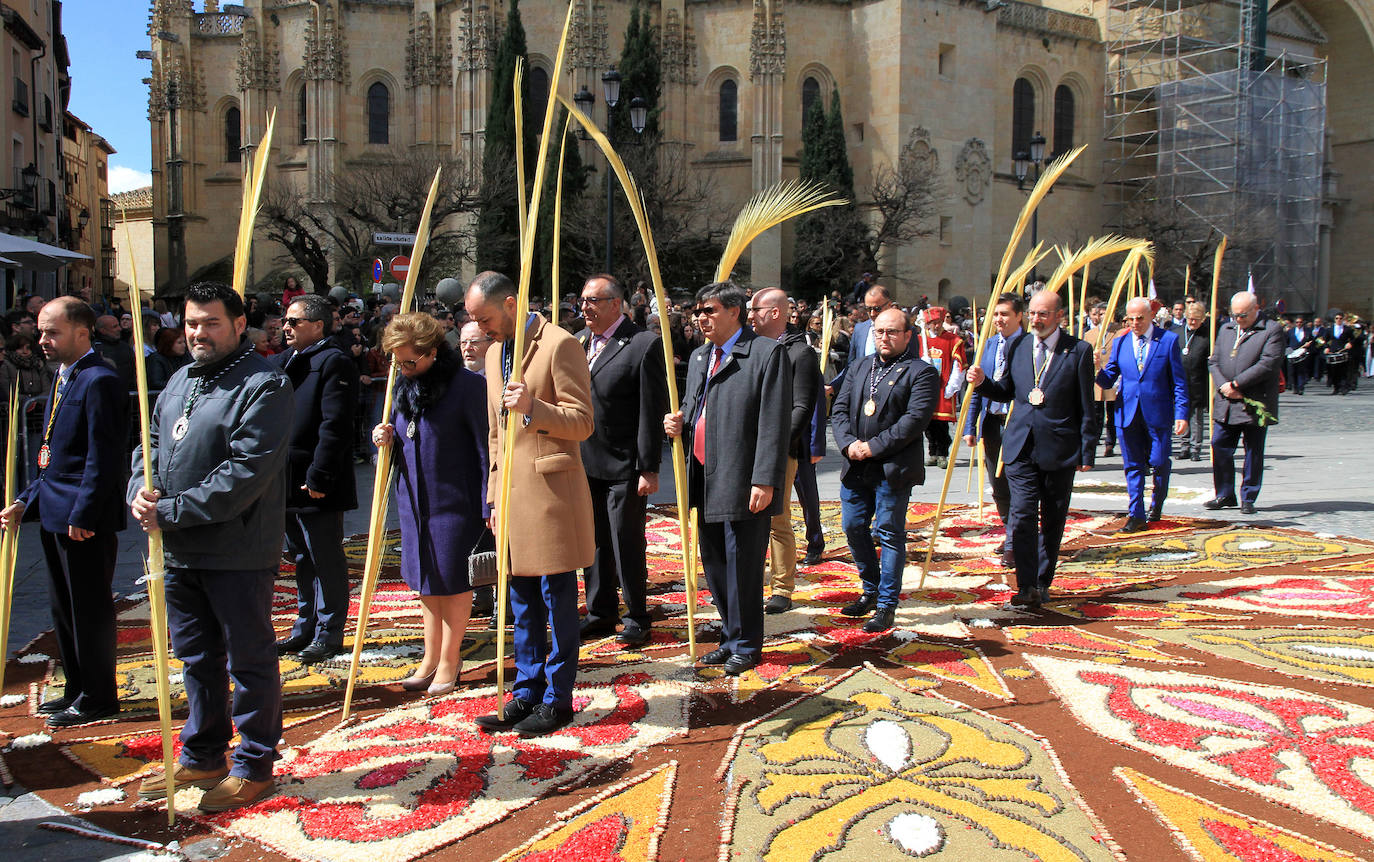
(417, 253)
(770, 208)
(1100, 247)
(1042, 188)
(252, 196)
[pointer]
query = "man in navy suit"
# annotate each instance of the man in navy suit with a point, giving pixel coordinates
(78, 499)
(1052, 434)
(987, 417)
(862, 343)
(880, 418)
(1149, 363)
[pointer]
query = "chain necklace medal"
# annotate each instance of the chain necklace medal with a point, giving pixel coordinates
(44, 456)
(870, 407)
(179, 430)
(410, 428)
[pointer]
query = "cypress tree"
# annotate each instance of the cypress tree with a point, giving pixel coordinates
(829, 242)
(498, 224)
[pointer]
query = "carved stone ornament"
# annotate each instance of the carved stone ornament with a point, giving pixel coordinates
(257, 66)
(427, 54)
(587, 43)
(679, 50)
(176, 84)
(768, 40)
(325, 49)
(476, 37)
(973, 169)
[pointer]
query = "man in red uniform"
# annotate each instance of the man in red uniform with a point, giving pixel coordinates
(944, 351)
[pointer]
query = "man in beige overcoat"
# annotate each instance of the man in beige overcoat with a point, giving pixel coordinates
(551, 530)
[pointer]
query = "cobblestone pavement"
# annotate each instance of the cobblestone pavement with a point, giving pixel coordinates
(1317, 461)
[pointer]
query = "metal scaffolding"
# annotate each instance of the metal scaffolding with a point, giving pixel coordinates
(1201, 120)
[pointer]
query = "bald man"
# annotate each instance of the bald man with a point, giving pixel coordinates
(1245, 367)
(1154, 399)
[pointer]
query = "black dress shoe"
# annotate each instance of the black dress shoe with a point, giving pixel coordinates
(594, 628)
(71, 716)
(1197, 456)
(1001, 547)
(738, 664)
(861, 607)
(633, 635)
(1044, 595)
(1133, 525)
(1008, 560)
(1247, 508)
(292, 644)
(1156, 513)
(1108, 452)
(56, 705)
(546, 718)
(1220, 503)
(1023, 602)
(319, 651)
(777, 604)
(719, 655)
(812, 558)
(517, 710)
(881, 621)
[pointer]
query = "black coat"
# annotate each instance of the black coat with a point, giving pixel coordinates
(1195, 361)
(326, 384)
(746, 426)
(806, 377)
(1061, 432)
(906, 399)
(629, 398)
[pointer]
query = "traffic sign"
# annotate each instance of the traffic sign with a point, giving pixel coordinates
(393, 239)
(377, 269)
(400, 265)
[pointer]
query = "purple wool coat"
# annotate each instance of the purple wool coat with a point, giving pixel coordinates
(441, 485)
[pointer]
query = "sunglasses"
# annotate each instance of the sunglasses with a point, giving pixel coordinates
(293, 322)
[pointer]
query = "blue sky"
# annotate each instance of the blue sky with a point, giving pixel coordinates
(107, 80)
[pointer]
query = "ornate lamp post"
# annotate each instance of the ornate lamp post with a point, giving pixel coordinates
(639, 114)
(1023, 163)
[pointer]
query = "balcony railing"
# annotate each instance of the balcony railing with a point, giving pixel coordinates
(21, 97)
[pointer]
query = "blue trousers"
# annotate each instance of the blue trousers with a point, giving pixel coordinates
(315, 542)
(732, 555)
(869, 511)
(1144, 447)
(221, 624)
(1224, 442)
(545, 672)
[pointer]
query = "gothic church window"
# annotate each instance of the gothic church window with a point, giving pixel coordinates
(1063, 119)
(302, 116)
(233, 136)
(378, 114)
(811, 94)
(1022, 116)
(539, 97)
(729, 111)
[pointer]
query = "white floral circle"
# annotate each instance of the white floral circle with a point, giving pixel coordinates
(917, 834)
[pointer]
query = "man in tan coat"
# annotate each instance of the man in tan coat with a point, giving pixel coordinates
(551, 529)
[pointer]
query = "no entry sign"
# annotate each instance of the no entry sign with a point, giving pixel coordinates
(400, 265)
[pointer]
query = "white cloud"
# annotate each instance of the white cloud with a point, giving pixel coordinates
(124, 179)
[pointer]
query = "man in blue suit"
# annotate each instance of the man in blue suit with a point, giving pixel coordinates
(1154, 390)
(78, 498)
(1051, 435)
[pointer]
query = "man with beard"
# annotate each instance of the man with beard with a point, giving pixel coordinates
(322, 486)
(78, 500)
(219, 446)
(550, 516)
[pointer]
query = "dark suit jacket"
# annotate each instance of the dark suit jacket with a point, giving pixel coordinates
(746, 426)
(326, 383)
(906, 400)
(1254, 368)
(1195, 361)
(1159, 392)
(84, 483)
(1062, 432)
(806, 376)
(629, 398)
(978, 404)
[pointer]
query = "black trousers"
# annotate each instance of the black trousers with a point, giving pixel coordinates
(315, 542)
(992, 450)
(1039, 502)
(618, 512)
(809, 496)
(937, 436)
(80, 575)
(732, 555)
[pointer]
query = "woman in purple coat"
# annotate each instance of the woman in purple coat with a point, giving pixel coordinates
(440, 446)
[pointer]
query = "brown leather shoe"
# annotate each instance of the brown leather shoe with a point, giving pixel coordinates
(235, 792)
(155, 785)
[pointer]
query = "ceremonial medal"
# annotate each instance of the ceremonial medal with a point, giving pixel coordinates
(870, 407)
(1185, 351)
(1036, 397)
(410, 431)
(179, 430)
(44, 456)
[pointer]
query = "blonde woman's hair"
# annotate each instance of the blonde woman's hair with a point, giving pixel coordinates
(417, 329)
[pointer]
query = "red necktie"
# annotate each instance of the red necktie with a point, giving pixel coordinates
(699, 430)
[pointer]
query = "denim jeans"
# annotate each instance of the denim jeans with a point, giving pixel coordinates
(877, 511)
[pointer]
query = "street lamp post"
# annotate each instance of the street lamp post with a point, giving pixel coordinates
(639, 114)
(1023, 163)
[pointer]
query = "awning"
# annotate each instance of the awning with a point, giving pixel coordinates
(35, 256)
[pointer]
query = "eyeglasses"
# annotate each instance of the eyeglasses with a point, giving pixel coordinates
(877, 309)
(701, 310)
(467, 342)
(1137, 317)
(593, 300)
(411, 364)
(297, 321)
(1034, 313)
(888, 333)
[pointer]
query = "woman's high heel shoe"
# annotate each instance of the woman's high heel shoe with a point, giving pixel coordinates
(440, 688)
(417, 683)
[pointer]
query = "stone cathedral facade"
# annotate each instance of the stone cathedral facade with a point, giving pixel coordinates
(967, 79)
